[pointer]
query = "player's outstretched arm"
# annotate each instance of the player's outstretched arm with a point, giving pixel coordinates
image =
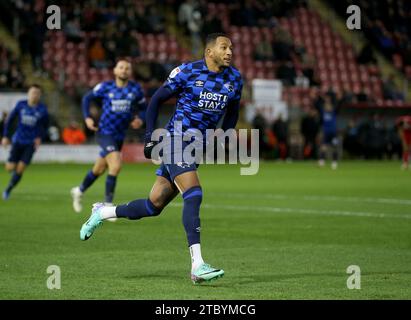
(160, 96)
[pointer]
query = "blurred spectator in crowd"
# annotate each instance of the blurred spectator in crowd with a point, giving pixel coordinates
(190, 17)
(72, 30)
(372, 138)
(310, 127)
(280, 129)
(286, 73)
(265, 137)
(351, 139)
(264, 50)
(73, 134)
(97, 54)
(53, 132)
(126, 44)
(37, 35)
(155, 19)
(389, 89)
(212, 24)
(366, 55)
(282, 46)
(308, 71)
(346, 96)
(11, 75)
(404, 131)
(15, 78)
(393, 147)
(362, 94)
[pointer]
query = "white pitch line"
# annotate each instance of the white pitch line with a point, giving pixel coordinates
(314, 198)
(299, 210)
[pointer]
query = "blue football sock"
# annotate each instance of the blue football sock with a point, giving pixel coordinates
(137, 209)
(88, 181)
(191, 214)
(15, 178)
(110, 186)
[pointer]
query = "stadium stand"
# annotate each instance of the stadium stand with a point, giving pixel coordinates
(387, 25)
(11, 76)
(286, 40)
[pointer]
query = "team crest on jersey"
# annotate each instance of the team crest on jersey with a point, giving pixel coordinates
(199, 83)
(229, 87)
(111, 95)
(130, 95)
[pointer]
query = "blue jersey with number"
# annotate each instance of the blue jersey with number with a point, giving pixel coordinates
(202, 95)
(32, 122)
(119, 105)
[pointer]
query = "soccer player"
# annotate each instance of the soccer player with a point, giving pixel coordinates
(328, 114)
(206, 90)
(123, 103)
(404, 130)
(32, 125)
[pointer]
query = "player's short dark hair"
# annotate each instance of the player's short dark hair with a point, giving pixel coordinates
(212, 37)
(35, 85)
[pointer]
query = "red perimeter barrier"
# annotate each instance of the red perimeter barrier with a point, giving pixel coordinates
(133, 152)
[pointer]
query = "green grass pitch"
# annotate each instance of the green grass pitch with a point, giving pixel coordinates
(289, 232)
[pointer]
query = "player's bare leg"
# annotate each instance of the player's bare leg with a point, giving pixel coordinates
(77, 192)
(189, 186)
(113, 160)
(10, 166)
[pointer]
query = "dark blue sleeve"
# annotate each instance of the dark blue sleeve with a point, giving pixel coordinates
(160, 96)
(231, 115)
(233, 108)
(139, 106)
(43, 126)
(7, 124)
(139, 109)
(85, 103)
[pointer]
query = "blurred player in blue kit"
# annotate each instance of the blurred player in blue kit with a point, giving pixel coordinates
(123, 103)
(206, 90)
(33, 119)
(328, 115)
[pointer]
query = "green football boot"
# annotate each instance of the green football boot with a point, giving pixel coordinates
(92, 223)
(205, 272)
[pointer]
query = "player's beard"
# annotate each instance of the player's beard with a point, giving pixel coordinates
(123, 79)
(225, 64)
